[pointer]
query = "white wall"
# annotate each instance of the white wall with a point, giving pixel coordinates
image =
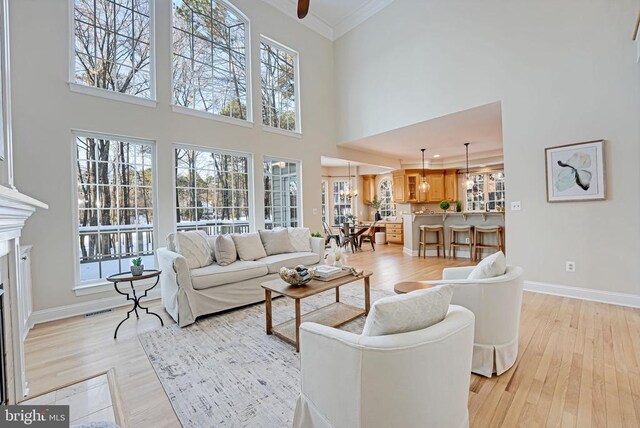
(45, 111)
(564, 71)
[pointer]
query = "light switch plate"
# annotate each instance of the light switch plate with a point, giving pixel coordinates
(315, 211)
(515, 206)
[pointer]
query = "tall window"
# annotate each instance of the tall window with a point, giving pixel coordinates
(385, 193)
(487, 192)
(212, 191)
(113, 45)
(210, 49)
(341, 204)
(115, 205)
(323, 199)
(281, 193)
(279, 79)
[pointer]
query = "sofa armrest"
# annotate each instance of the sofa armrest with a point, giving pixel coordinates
(175, 271)
(317, 246)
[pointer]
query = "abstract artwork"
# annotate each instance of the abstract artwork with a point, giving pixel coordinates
(575, 172)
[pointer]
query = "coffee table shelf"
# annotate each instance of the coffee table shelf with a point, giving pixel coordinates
(333, 315)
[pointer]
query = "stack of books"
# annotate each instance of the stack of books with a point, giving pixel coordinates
(328, 272)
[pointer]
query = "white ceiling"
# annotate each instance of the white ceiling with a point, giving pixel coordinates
(330, 162)
(332, 18)
(445, 136)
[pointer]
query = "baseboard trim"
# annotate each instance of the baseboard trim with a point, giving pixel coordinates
(600, 296)
(61, 312)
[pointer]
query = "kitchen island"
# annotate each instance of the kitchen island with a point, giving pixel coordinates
(412, 223)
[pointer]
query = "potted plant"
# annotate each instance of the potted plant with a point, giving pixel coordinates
(316, 235)
(459, 206)
(137, 268)
(444, 205)
(375, 204)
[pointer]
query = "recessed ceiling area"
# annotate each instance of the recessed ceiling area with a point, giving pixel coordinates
(443, 136)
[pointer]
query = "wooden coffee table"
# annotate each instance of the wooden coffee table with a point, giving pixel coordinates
(409, 286)
(332, 315)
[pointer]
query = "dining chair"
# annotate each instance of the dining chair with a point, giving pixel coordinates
(329, 235)
(369, 236)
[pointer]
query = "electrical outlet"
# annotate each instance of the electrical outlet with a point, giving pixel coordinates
(571, 266)
(515, 206)
(466, 240)
(315, 211)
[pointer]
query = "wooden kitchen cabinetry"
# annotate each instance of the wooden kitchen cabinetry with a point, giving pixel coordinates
(394, 233)
(368, 188)
(398, 187)
(443, 184)
(451, 185)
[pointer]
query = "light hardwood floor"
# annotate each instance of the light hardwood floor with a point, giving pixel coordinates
(578, 362)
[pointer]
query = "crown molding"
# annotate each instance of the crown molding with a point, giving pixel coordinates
(318, 25)
(359, 16)
(311, 21)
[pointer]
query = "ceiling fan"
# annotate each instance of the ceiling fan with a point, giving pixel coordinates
(303, 8)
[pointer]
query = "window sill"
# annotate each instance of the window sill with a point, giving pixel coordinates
(211, 116)
(116, 96)
(294, 134)
(106, 286)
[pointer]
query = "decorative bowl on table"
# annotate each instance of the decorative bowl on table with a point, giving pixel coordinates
(297, 277)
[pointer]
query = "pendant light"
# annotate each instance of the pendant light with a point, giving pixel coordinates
(424, 186)
(469, 180)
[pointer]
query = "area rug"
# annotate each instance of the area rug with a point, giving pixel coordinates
(225, 371)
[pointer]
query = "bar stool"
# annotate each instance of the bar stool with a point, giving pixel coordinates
(479, 243)
(438, 229)
(454, 230)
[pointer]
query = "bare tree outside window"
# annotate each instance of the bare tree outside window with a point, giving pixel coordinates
(115, 205)
(113, 45)
(212, 191)
(209, 58)
(278, 68)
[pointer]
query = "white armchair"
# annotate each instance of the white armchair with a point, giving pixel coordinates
(496, 303)
(414, 379)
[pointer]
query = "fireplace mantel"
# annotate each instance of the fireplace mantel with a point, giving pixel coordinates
(15, 209)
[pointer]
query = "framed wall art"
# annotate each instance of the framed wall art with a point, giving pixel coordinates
(575, 172)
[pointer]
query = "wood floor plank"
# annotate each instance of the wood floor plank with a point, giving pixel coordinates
(578, 361)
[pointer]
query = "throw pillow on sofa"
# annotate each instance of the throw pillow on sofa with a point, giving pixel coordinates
(276, 241)
(194, 247)
(299, 237)
(489, 267)
(249, 246)
(408, 312)
(225, 250)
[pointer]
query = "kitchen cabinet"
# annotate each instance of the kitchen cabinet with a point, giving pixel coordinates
(451, 185)
(368, 188)
(398, 187)
(394, 233)
(412, 193)
(436, 189)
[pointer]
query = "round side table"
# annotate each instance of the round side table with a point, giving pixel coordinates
(128, 277)
(409, 286)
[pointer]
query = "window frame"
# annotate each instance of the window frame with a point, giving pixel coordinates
(252, 205)
(299, 175)
(336, 196)
(152, 101)
(485, 192)
(296, 87)
(99, 285)
(392, 203)
(324, 201)
(248, 122)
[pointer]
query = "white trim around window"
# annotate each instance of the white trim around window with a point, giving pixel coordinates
(299, 196)
(296, 83)
(82, 288)
(105, 93)
(248, 123)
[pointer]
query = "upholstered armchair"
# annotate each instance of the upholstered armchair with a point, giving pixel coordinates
(415, 379)
(496, 303)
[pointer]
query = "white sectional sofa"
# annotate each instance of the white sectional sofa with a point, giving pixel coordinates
(188, 293)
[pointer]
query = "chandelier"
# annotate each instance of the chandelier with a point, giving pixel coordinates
(424, 185)
(469, 180)
(350, 191)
